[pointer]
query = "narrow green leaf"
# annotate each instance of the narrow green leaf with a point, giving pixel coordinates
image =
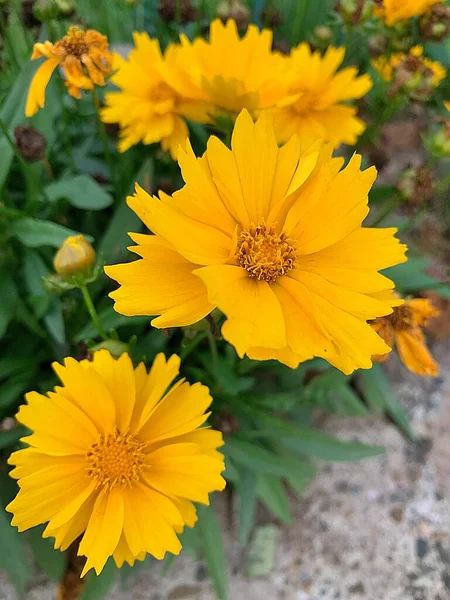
(9, 296)
(257, 458)
(212, 543)
(10, 365)
(272, 493)
(34, 233)
(12, 436)
(11, 392)
(52, 562)
(98, 586)
(247, 504)
(13, 557)
(81, 191)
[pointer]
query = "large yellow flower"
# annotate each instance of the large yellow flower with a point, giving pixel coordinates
(273, 238)
(84, 58)
(235, 73)
(403, 328)
(115, 459)
(393, 11)
(155, 99)
(315, 105)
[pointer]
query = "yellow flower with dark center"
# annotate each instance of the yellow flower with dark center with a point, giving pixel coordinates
(316, 103)
(394, 11)
(235, 73)
(403, 329)
(155, 97)
(84, 58)
(273, 238)
(115, 459)
(409, 64)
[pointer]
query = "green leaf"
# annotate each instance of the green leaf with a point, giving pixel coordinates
(212, 544)
(110, 319)
(305, 475)
(261, 556)
(52, 562)
(380, 193)
(272, 493)
(257, 458)
(9, 296)
(13, 557)
(12, 436)
(11, 392)
(34, 233)
(315, 443)
(247, 504)
(378, 393)
(81, 191)
(98, 586)
(10, 365)
(410, 277)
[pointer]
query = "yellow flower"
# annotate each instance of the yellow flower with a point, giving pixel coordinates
(155, 99)
(115, 459)
(273, 238)
(403, 328)
(413, 62)
(315, 105)
(393, 11)
(76, 256)
(235, 73)
(447, 105)
(84, 58)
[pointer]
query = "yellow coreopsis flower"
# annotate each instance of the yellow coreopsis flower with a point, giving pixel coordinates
(155, 97)
(315, 105)
(84, 58)
(115, 459)
(403, 329)
(235, 73)
(393, 11)
(273, 238)
(412, 62)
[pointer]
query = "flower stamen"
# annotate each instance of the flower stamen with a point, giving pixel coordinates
(115, 459)
(265, 254)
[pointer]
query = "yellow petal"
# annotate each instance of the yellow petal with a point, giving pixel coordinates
(36, 93)
(414, 353)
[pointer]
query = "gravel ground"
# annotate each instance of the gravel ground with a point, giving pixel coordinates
(374, 530)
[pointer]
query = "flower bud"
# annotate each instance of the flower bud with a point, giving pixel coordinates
(45, 10)
(115, 347)
(234, 9)
(75, 257)
(434, 25)
(321, 37)
(30, 143)
(439, 143)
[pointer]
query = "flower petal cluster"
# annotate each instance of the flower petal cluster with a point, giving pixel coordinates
(395, 11)
(84, 58)
(115, 458)
(316, 104)
(273, 238)
(155, 97)
(410, 64)
(403, 329)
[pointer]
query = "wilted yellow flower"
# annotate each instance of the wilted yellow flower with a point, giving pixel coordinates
(84, 58)
(403, 328)
(273, 238)
(393, 11)
(315, 105)
(155, 99)
(235, 72)
(115, 459)
(76, 256)
(412, 62)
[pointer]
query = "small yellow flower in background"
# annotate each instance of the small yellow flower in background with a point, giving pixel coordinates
(273, 238)
(393, 11)
(315, 105)
(403, 329)
(235, 73)
(412, 62)
(76, 256)
(84, 58)
(155, 99)
(115, 459)
(447, 105)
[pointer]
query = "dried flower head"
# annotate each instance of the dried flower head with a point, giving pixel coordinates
(84, 58)
(30, 143)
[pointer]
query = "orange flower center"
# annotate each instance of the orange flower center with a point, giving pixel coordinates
(115, 459)
(161, 92)
(74, 42)
(265, 254)
(401, 318)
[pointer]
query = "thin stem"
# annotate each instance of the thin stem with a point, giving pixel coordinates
(390, 207)
(213, 349)
(91, 309)
(103, 134)
(193, 344)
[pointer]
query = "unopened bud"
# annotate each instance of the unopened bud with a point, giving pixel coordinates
(66, 7)
(236, 10)
(322, 35)
(75, 257)
(30, 143)
(115, 347)
(46, 10)
(439, 143)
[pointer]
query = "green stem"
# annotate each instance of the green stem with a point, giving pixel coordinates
(91, 309)
(213, 349)
(32, 183)
(390, 207)
(193, 345)
(103, 135)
